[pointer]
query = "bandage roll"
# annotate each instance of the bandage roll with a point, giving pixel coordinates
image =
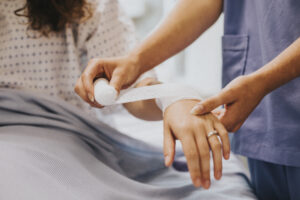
(104, 93)
(165, 94)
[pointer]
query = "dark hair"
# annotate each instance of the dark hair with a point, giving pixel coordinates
(53, 15)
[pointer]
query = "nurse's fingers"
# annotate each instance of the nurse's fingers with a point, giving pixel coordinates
(80, 90)
(118, 79)
(93, 70)
(203, 149)
(211, 103)
(169, 145)
(237, 127)
(224, 138)
(82, 93)
(191, 153)
(232, 119)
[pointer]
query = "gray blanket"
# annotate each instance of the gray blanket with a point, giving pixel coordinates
(51, 150)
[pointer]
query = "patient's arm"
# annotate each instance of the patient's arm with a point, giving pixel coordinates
(147, 109)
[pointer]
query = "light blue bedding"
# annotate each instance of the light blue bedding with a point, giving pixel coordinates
(51, 150)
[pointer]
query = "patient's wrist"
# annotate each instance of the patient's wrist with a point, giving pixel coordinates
(164, 103)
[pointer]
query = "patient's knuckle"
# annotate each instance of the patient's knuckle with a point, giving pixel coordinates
(184, 126)
(199, 123)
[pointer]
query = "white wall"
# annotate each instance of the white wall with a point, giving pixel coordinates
(203, 63)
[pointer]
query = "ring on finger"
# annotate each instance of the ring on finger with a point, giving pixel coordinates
(214, 132)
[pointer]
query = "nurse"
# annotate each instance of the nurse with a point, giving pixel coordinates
(261, 69)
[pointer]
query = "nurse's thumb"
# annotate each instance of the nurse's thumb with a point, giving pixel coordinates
(206, 106)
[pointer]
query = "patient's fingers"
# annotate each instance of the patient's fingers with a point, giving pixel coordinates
(169, 145)
(216, 149)
(191, 153)
(204, 152)
(224, 138)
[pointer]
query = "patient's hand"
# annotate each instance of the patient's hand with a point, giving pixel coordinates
(192, 132)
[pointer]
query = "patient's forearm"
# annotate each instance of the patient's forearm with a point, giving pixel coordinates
(146, 110)
(188, 20)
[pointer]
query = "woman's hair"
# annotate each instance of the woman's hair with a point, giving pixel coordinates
(53, 15)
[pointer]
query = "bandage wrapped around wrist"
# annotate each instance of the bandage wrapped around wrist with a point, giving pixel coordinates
(165, 94)
(164, 103)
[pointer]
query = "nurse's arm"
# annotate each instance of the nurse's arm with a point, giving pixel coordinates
(242, 95)
(284, 68)
(186, 22)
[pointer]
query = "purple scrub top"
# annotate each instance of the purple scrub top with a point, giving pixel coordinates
(255, 32)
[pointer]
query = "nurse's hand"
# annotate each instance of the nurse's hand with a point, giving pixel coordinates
(121, 72)
(192, 132)
(240, 97)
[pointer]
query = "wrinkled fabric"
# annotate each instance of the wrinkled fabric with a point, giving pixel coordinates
(52, 150)
(256, 32)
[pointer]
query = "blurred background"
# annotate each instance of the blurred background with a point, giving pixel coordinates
(199, 65)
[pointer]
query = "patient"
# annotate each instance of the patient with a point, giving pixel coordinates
(43, 46)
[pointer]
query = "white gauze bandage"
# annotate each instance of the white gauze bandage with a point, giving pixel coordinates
(165, 94)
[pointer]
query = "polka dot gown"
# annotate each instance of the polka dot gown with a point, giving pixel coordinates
(51, 65)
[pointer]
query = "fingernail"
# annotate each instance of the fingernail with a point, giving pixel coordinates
(197, 182)
(167, 160)
(218, 175)
(91, 97)
(206, 184)
(197, 109)
(227, 156)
